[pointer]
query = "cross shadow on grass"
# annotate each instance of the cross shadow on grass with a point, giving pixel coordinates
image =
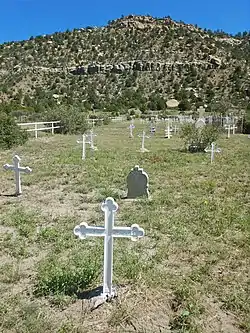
(91, 293)
(9, 195)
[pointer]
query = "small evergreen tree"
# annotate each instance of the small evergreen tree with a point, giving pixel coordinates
(10, 133)
(72, 120)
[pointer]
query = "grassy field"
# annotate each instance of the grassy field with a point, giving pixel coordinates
(190, 273)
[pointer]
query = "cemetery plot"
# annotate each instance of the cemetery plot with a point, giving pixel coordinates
(188, 273)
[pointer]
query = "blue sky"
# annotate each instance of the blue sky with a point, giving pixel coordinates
(21, 19)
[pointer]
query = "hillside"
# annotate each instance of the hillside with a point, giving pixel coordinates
(133, 62)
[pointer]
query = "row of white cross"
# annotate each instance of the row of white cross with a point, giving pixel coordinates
(168, 130)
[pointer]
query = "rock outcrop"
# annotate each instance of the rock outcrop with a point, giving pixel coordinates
(139, 65)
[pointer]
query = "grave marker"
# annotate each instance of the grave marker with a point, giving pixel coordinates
(228, 128)
(109, 231)
(200, 123)
(212, 150)
(90, 140)
(233, 128)
(201, 111)
(83, 142)
(152, 128)
(131, 127)
(17, 169)
(137, 182)
(143, 136)
(168, 131)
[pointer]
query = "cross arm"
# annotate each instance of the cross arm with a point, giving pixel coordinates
(134, 232)
(12, 167)
(26, 169)
(83, 230)
(8, 167)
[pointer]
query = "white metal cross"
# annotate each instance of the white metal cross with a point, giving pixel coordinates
(143, 136)
(83, 142)
(109, 231)
(212, 150)
(233, 128)
(17, 169)
(168, 131)
(152, 128)
(131, 127)
(90, 140)
(228, 127)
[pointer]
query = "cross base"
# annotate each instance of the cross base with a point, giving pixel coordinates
(126, 199)
(144, 150)
(109, 296)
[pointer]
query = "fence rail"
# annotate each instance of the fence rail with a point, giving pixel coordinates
(36, 125)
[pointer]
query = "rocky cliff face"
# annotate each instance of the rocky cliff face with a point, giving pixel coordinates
(133, 61)
(139, 65)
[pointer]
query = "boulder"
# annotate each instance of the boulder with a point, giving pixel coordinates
(172, 103)
(215, 61)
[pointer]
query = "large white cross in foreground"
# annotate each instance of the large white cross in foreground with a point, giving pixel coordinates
(143, 136)
(16, 167)
(212, 150)
(109, 207)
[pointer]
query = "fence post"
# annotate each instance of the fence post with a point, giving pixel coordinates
(52, 128)
(36, 130)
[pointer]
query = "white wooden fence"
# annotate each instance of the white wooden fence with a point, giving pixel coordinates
(37, 128)
(94, 121)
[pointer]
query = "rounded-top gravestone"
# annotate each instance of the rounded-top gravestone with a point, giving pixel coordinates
(137, 182)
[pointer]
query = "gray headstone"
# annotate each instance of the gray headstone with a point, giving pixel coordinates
(137, 182)
(200, 123)
(201, 111)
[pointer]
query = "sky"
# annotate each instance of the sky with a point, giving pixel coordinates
(21, 19)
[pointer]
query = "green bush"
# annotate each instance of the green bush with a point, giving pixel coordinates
(198, 139)
(10, 133)
(68, 276)
(72, 120)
